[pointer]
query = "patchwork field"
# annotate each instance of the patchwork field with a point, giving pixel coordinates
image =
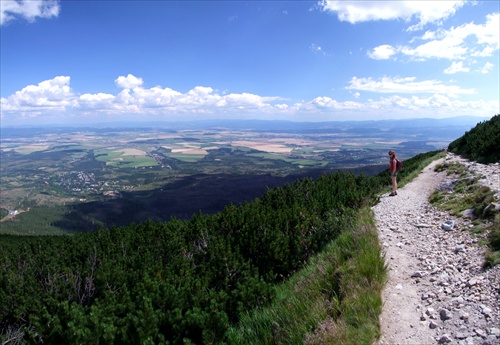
(90, 176)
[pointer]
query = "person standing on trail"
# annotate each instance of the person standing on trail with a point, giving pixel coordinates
(393, 169)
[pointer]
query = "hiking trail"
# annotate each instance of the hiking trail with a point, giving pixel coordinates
(437, 291)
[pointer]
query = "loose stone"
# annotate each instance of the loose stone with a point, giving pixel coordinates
(445, 314)
(445, 339)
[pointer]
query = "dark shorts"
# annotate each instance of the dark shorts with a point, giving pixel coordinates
(394, 174)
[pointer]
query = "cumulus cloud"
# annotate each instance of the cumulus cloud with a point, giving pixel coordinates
(456, 67)
(382, 52)
(27, 9)
(457, 43)
(405, 85)
(488, 33)
(128, 82)
(362, 11)
(96, 101)
(486, 68)
(437, 105)
(55, 98)
(54, 94)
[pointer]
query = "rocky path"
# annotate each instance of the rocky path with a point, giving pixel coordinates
(437, 291)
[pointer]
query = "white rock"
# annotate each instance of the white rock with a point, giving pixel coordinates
(495, 331)
(480, 332)
(448, 225)
(487, 311)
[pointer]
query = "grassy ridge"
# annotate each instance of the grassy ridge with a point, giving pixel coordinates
(336, 299)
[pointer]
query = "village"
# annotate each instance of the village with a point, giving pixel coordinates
(85, 184)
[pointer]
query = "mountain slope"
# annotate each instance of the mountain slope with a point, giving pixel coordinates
(481, 143)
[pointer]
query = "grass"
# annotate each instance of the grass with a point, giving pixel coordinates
(453, 168)
(296, 161)
(336, 299)
(188, 158)
(118, 159)
(492, 256)
(468, 194)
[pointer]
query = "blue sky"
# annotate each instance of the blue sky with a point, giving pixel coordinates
(98, 61)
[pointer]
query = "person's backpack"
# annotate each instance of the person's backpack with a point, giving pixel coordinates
(399, 165)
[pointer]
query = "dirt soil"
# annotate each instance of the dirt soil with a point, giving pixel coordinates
(400, 316)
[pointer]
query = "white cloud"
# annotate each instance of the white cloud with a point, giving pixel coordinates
(405, 85)
(434, 106)
(56, 94)
(447, 48)
(457, 43)
(27, 9)
(128, 82)
(361, 11)
(54, 99)
(96, 101)
(382, 52)
(488, 33)
(456, 67)
(486, 68)
(53, 94)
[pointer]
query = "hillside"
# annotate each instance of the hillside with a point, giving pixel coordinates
(481, 143)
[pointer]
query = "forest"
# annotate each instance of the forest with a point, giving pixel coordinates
(481, 143)
(181, 281)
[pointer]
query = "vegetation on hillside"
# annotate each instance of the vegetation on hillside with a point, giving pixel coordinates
(197, 280)
(3, 212)
(481, 143)
(470, 199)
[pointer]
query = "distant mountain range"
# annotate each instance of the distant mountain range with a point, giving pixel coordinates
(447, 129)
(273, 125)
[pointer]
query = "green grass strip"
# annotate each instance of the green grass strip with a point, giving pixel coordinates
(335, 299)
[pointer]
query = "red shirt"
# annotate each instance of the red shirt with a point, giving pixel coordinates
(392, 164)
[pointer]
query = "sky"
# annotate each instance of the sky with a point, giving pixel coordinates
(84, 62)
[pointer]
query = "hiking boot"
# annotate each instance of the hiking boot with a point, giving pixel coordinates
(392, 194)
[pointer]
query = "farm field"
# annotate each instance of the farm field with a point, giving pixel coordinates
(87, 177)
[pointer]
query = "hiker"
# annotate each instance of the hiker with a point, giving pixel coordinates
(392, 167)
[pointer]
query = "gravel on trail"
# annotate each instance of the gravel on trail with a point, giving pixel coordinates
(437, 290)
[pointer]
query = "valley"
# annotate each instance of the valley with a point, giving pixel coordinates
(66, 180)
